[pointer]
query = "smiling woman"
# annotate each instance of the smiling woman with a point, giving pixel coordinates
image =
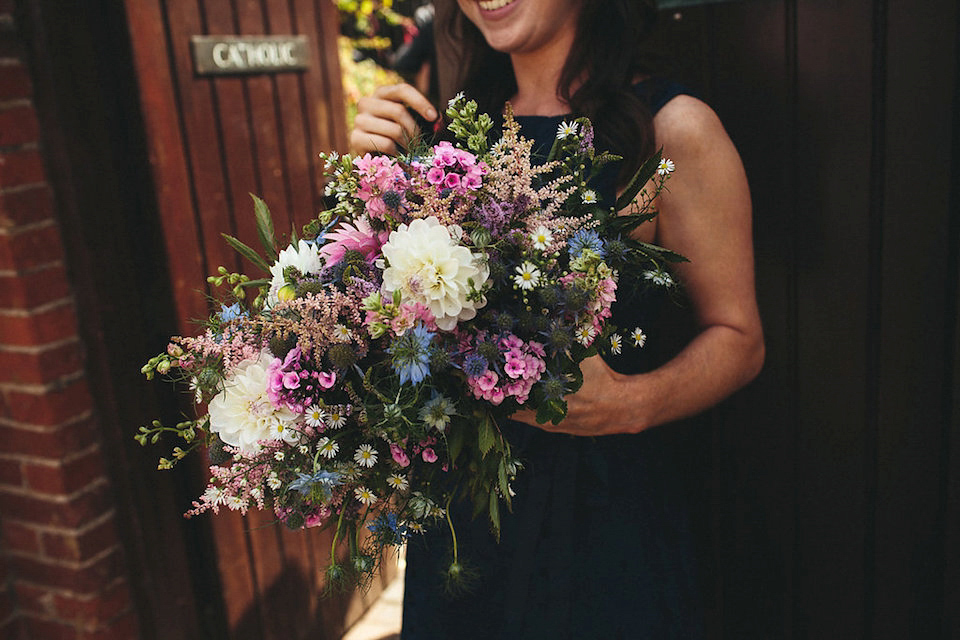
(598, 544)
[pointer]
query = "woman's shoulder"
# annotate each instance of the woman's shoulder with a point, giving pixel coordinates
(688, 123)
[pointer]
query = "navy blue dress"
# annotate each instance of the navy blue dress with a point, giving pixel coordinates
(598, 543)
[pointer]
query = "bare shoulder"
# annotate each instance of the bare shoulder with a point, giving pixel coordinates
(689, 126)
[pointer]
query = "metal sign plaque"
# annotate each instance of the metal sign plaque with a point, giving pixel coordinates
(217, 55)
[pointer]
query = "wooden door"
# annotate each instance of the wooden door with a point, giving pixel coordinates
(212, 140)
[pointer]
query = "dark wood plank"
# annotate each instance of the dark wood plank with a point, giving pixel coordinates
(202, 142)
(917, 174)
(835, 143)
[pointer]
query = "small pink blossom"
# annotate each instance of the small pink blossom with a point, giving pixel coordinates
(429, 455)
(399, 455)
(327, 379)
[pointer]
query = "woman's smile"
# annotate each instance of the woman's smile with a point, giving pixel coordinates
(493, 5)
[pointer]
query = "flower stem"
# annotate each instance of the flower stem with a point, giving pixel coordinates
(453, 532)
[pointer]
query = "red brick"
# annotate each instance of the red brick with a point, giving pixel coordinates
(54, 443)
(53, 324)
(50, 408)
(124, 627)
(80, 546)
(15, 82)
(8, 607)
(44, 367)
(37, 628)
(31, 248)
(10, 473)
(85, 579)
(97, 610)
(36, 599)
(21, 538)
(26, 206)
(76, 512)
(26, 291)
(20, 167)
(18, 125)
(65, 478)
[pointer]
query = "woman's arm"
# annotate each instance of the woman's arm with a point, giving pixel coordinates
(706, 216)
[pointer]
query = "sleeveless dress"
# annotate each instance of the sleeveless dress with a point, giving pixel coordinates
(597, 545)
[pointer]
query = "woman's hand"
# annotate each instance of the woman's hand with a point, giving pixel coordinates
(598, 407)
(383, 123)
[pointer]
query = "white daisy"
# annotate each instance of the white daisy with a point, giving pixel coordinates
(589, 197)
(279, 455)
(341, 333)
(315, 416)
(616, 343)
(415, 527)
(273, 481)
(542, 238)
(585, 334)
(365, 455)
(639, 337)
(336, 418)
(659, 277)
(364, 495)
(566, 129)
(328, 448)
(350, 472)
(665, 167)
(398, 482)
(528, 276)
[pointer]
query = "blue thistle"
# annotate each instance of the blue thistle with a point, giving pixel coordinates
(585, 239)
(475, 365)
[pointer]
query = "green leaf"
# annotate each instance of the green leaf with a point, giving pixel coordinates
(502, 480)
(247, 252)
(495, 514)
(486, 436)
(640, 178)
(665, 254)
(265, 227)
(455, 441)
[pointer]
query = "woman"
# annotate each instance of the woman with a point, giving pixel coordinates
(597, 545)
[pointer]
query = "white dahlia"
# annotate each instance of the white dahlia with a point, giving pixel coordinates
(242, 414)
(429, 266)
(304, 256)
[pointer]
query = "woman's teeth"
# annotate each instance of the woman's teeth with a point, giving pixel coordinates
(490, 5)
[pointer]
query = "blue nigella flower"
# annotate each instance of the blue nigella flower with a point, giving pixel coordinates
(585, 239)
(475, 365)
(411, 355)
(232, 312)
(326, 479)
(388, 523)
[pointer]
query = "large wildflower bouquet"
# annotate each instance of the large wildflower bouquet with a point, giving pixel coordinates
(363, 387)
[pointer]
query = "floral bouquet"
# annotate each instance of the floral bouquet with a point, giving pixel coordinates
(364, 386)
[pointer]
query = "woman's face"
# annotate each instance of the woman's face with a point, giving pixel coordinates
(523, 26)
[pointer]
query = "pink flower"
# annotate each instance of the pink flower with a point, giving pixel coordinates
(359, 236)
(291, 380)
(399, 455)
(429, 455)
(452, 181)
(487, 381)
(514, 367)
(326, 379)
(435, 175)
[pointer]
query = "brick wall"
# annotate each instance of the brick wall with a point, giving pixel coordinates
(61, 566)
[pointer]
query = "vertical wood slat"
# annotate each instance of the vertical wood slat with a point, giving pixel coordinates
(911, 411)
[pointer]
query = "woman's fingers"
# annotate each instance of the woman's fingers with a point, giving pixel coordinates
(384, 122)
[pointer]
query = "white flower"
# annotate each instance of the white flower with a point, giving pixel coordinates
(428, 266)
(279, 456)
(398, 482)
(542, 238)
(659, 277)
(616, 343)
(589, 197)
(242, 414)
(315, 416)
(273, 481)
(336, 418)
(566, 129)
(455, 99)
(304, 256)
(364, 495)
(528, 276)
(639, 337)
(585, 334)
(328, 448)
(666, 166)
(365, 455)
(235, 503)
(341, 333)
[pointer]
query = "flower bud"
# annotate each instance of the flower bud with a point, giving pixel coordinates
(287, 293)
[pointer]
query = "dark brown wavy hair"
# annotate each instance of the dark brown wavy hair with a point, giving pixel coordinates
(606, 52)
